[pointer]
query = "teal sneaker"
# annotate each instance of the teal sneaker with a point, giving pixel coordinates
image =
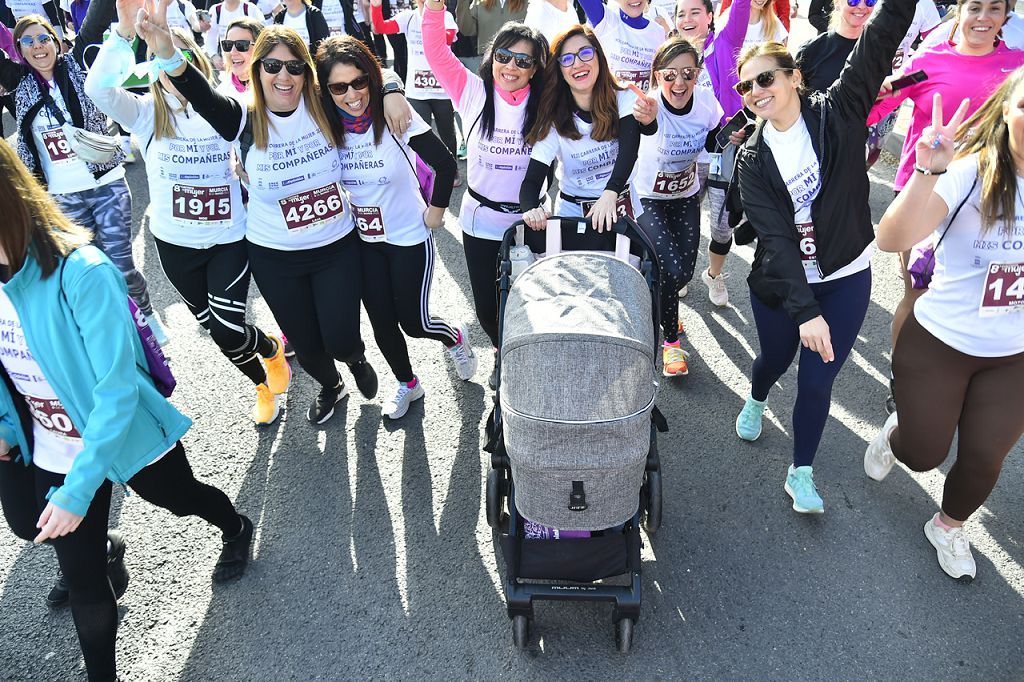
(748, 424)
(800, 486)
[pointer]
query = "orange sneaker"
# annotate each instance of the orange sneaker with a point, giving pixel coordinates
(279, 373)
(265, 411)
(673, 360)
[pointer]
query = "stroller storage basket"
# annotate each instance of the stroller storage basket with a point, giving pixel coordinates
(577, 389)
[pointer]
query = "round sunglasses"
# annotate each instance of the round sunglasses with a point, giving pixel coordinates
(688, 73)
(503, 55)
(237, 45)
(340, 89)
(586, 54)
(763, 80)
(41, 39)
(296, 67)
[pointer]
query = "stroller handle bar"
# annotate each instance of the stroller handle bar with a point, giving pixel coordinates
(625, 227)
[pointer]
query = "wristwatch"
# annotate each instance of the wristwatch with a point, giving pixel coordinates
(391, 88)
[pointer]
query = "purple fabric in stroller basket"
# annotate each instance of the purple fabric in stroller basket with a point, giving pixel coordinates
(536, 531)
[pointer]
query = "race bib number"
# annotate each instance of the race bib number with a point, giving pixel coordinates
(808, 245)
(641, 79)
(206, 206)
(370, 222)
(674, 184)
(1004, 289)
(312, 208)
(897, 60)
(57, 146)
(425, 80)
(623, 205)
(49, 413)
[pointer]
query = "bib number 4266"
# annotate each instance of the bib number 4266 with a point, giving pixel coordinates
(313, 208)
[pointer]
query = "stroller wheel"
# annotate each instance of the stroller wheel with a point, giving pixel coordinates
(652, 515)
(521, 631)
(624, 635)
(494, 499)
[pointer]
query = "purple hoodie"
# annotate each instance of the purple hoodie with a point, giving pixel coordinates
(7, 43)
(721, 50)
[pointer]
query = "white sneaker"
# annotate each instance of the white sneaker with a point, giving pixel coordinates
(717, 291)
(953, 550)
(462, 355)
(157, 327)
(684, 291)
(878, 457)
(126, 147)
(399, 405)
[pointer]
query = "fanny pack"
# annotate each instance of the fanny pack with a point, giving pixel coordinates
(499, 206)
(93, 148)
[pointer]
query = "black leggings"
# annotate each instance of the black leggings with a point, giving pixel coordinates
(673, 226)
(442, 113)
(482, 263)
(314, 295)
(214, 284)
(396, 293)
(167, 483)
(945, 392)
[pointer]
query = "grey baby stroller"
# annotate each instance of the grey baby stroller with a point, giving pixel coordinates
(572, 435)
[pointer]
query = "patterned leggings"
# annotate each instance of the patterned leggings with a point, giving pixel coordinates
(107, 211)
(673, 226)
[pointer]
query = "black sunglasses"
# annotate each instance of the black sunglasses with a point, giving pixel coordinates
(340, 89)
(238, 45)
(688, 74)
(867, 3)
(296, 67)
(763, 80)
(503, 55)
(586, 54)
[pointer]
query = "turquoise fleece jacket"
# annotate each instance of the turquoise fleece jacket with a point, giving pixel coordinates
(85, 342)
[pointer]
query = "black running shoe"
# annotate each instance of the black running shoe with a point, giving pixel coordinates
(366, 378)
(322, 408)
(58, 595)
(234, 556)
(117, 573)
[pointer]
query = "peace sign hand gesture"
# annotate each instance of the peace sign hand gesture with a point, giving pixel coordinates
(151, 25)
(935, 146)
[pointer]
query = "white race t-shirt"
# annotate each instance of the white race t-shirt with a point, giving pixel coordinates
(65, 173)
(926, 17)
(57, 439)
(297, 23)
(382, 186)
(542, 16)
(421, 82)
(495, 167)
(20, 8)
(667, 163)
(295, 196)
(756, 34)
(585, 164)
(630, 51)
(975, 303)
(195, 195)
(799, 169)
(176, 18)
(335, 16)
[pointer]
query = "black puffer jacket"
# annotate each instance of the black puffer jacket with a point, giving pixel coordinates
(836, 120)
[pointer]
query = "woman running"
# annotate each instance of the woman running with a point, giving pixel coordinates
(803, 188)
(668, 182)
(81, 411)
(500, 105)
(982, 55)
(393, 221)
(49, 95)
(236, 46)
(629, 38)
(586, 122)
(719, 49)
(426, 94)
(959, 361)
(197, 216)
(303, 248)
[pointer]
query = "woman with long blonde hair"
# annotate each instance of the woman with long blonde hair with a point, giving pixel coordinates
(197, 216)
(81, 412)
(302, 243)
(959, 360)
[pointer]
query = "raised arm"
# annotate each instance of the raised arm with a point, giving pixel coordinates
(379, 23)
(819, 14)
(594, 10)
(112, 65)
(433, 152)
(448, 70)
(857, 87)
(97, 20)
(731, 35)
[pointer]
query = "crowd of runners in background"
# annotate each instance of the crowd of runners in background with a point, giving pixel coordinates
(277, 149)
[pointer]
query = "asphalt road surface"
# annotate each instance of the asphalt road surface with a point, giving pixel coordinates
(372, 558)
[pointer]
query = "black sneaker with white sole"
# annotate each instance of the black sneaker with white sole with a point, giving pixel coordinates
(322, 408)
(366, 378)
